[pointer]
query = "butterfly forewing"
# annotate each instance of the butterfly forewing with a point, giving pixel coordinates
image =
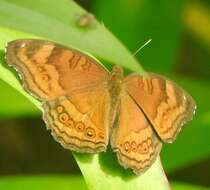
(51, 70)
(166, 105)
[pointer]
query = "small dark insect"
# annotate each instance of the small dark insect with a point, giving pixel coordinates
(85, 20)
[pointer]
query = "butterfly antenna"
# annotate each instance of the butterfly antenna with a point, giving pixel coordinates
(141, 47)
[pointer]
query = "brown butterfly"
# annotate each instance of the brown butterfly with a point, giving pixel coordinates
(85, 105)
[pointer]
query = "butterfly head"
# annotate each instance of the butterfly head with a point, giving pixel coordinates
(118, 70)
(117, 74)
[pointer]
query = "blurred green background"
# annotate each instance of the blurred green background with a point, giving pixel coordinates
(180, 49)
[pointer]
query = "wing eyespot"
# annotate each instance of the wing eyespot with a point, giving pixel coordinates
(101, 135)
(143, 148)
(127, 146)
(90, 132)
(63, 117)
(134, 146)
(45, 77)
(149, 142)
(80, 126)
(60, 109)
(70, 122)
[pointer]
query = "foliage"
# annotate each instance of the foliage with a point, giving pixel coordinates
(57, 22)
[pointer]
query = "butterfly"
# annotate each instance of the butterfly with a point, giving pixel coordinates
(85, 106)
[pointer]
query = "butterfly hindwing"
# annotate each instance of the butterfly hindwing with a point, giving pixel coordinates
(80, 121)
(133, 139)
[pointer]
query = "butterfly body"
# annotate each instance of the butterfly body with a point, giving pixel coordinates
(115, 82)
(115, 86)
(86, 107)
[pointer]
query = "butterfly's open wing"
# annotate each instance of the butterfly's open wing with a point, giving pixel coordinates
(72, 88)
(49, 70)
(80, 121)
(166, 105)
(133, 139)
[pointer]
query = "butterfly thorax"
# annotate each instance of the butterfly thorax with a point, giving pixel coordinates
(115, 82)
(115, 85)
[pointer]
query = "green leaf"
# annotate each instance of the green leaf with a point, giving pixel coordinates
(65, 183)
(192, 144)
(136, 21)
(20, 105)
(185, 186)
(56, 21)
(42, 183)
(59, 23)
